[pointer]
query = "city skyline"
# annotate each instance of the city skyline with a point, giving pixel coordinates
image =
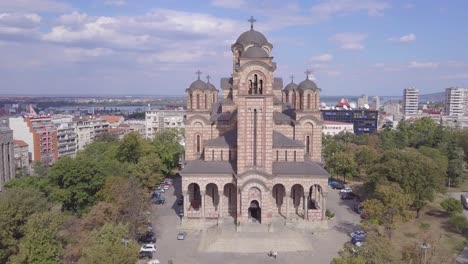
(118, 47)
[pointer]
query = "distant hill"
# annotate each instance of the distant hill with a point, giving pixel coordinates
(433, 97)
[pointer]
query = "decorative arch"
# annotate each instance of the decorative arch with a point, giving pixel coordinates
(198, 101)
(256, 82)
(197, 118)
(309, 101)
(230, 198)
(194, 196)
(278, 194)
(297, 196)
(190, 101)
(206, 101)
(212, 195)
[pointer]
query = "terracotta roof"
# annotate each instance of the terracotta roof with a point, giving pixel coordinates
(282, 141)
(112, 118)
(208, 167)
(306, 168)
(20, 143)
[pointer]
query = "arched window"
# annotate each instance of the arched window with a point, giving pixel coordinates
(308, 101)
(250, 86)
(198, 144)
(260, 90)
(214, 98)
(294, 155)
(316, 103)
(285, 155)
(206, 101)
(222, 155)
(307, 144)
(277, 155)
(255, 138)
(212, 154)
(255, 84)
(287, 97)
(191, 101)
(294, 99)
(198, 101)
(301, 101)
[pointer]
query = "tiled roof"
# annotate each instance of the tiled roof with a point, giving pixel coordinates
(208, 167)
(306, 168)
(20, 143)
(282, 141)
(229, 139)
(281, 118)
(278, 83)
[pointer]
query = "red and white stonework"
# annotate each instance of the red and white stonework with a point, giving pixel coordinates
(254, 155)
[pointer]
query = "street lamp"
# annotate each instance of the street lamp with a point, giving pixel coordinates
(424, 248)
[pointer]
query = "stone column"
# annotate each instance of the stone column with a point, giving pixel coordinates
(287, 204)
(186, 204)
(324, 206)
(220, 205)
(202, 205)
(304, 206)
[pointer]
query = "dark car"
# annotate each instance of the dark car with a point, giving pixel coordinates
(358, 239)
(145, 254)
(347, 196)
(180, 212)
(336, 185)
(358, 208)
(148, 238)
(180, 201)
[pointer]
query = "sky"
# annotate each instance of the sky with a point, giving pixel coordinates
(154, 47)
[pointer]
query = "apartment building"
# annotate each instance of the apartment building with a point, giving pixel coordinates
(456, 101)
(88, 128)
(410, 101)
(158, 120)
(66, 135)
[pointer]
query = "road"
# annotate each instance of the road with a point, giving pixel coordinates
(325, 244)
(463, 257)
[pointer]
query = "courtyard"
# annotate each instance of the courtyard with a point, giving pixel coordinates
(317, 247)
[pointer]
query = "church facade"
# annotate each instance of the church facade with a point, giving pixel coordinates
(254, 155)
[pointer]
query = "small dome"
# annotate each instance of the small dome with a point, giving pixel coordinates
(255, 52)
(210, 86)
(198, 85)
(252, 37)
(307, 85)
(290, 87)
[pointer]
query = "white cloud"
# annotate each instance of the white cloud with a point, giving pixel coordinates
(33, 6)
(404, 39)
(228, 3)
(79, 54)
(322, 58)
(457, 76)
(422, 65)
(350, 41)
(14, 26)
(378, 65)
(332, 8)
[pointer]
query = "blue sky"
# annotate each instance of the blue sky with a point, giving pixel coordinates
(127, 47)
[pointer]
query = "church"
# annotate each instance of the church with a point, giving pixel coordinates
(253, 156)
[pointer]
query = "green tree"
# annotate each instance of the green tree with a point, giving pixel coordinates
(365, 158)
(342, 164)
(41, 243)
(149, 170)
(16, 206)
(76, 182)
(330, 147)
(452, 206)
(166, 145)
(131, 148)
(107, 245)
(106, 137)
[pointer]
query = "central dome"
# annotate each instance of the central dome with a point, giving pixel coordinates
(252, 37)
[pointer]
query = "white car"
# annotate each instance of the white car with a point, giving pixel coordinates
(346, 190)
(166, 187)
(148, 248)
(155, 261)
(360, 233)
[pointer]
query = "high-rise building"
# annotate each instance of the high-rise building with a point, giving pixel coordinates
(375, 103)
(40, 134)
(158, 120)
(7, 158)
(66, 135)
(456, 101)
(410, 101)
(88, 128)
(362, 101)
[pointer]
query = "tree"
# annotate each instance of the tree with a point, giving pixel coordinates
(452, 206)
(342, 164)
(76, 182)
(166, 145)
(330, 147)
(107, 245)
(41, 243)
(16, 206)
(365, 158)
(131, 148)
(106, 137)
(149, 170)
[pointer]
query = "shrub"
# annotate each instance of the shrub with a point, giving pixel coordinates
(459, 223)
(329, 214)
(452, 206)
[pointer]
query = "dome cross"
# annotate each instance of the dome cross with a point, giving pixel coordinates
(208, 77)
(308, 72)
(292, 78)
(198, 73)
(252, 21)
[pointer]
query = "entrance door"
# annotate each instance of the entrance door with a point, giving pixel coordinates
(255, 212)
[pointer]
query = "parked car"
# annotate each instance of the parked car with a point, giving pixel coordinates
(347, 196)
(357, 239)
(181, 236)
(346, 190)
(145, 254)
(361, 233)
(358, 208)
(167, 180)
(181, 212)
(154, 261)
(336, 185)
(148, 238)
(464, 200)
(148, 248)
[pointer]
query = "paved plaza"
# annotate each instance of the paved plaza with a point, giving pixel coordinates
(321, 246)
